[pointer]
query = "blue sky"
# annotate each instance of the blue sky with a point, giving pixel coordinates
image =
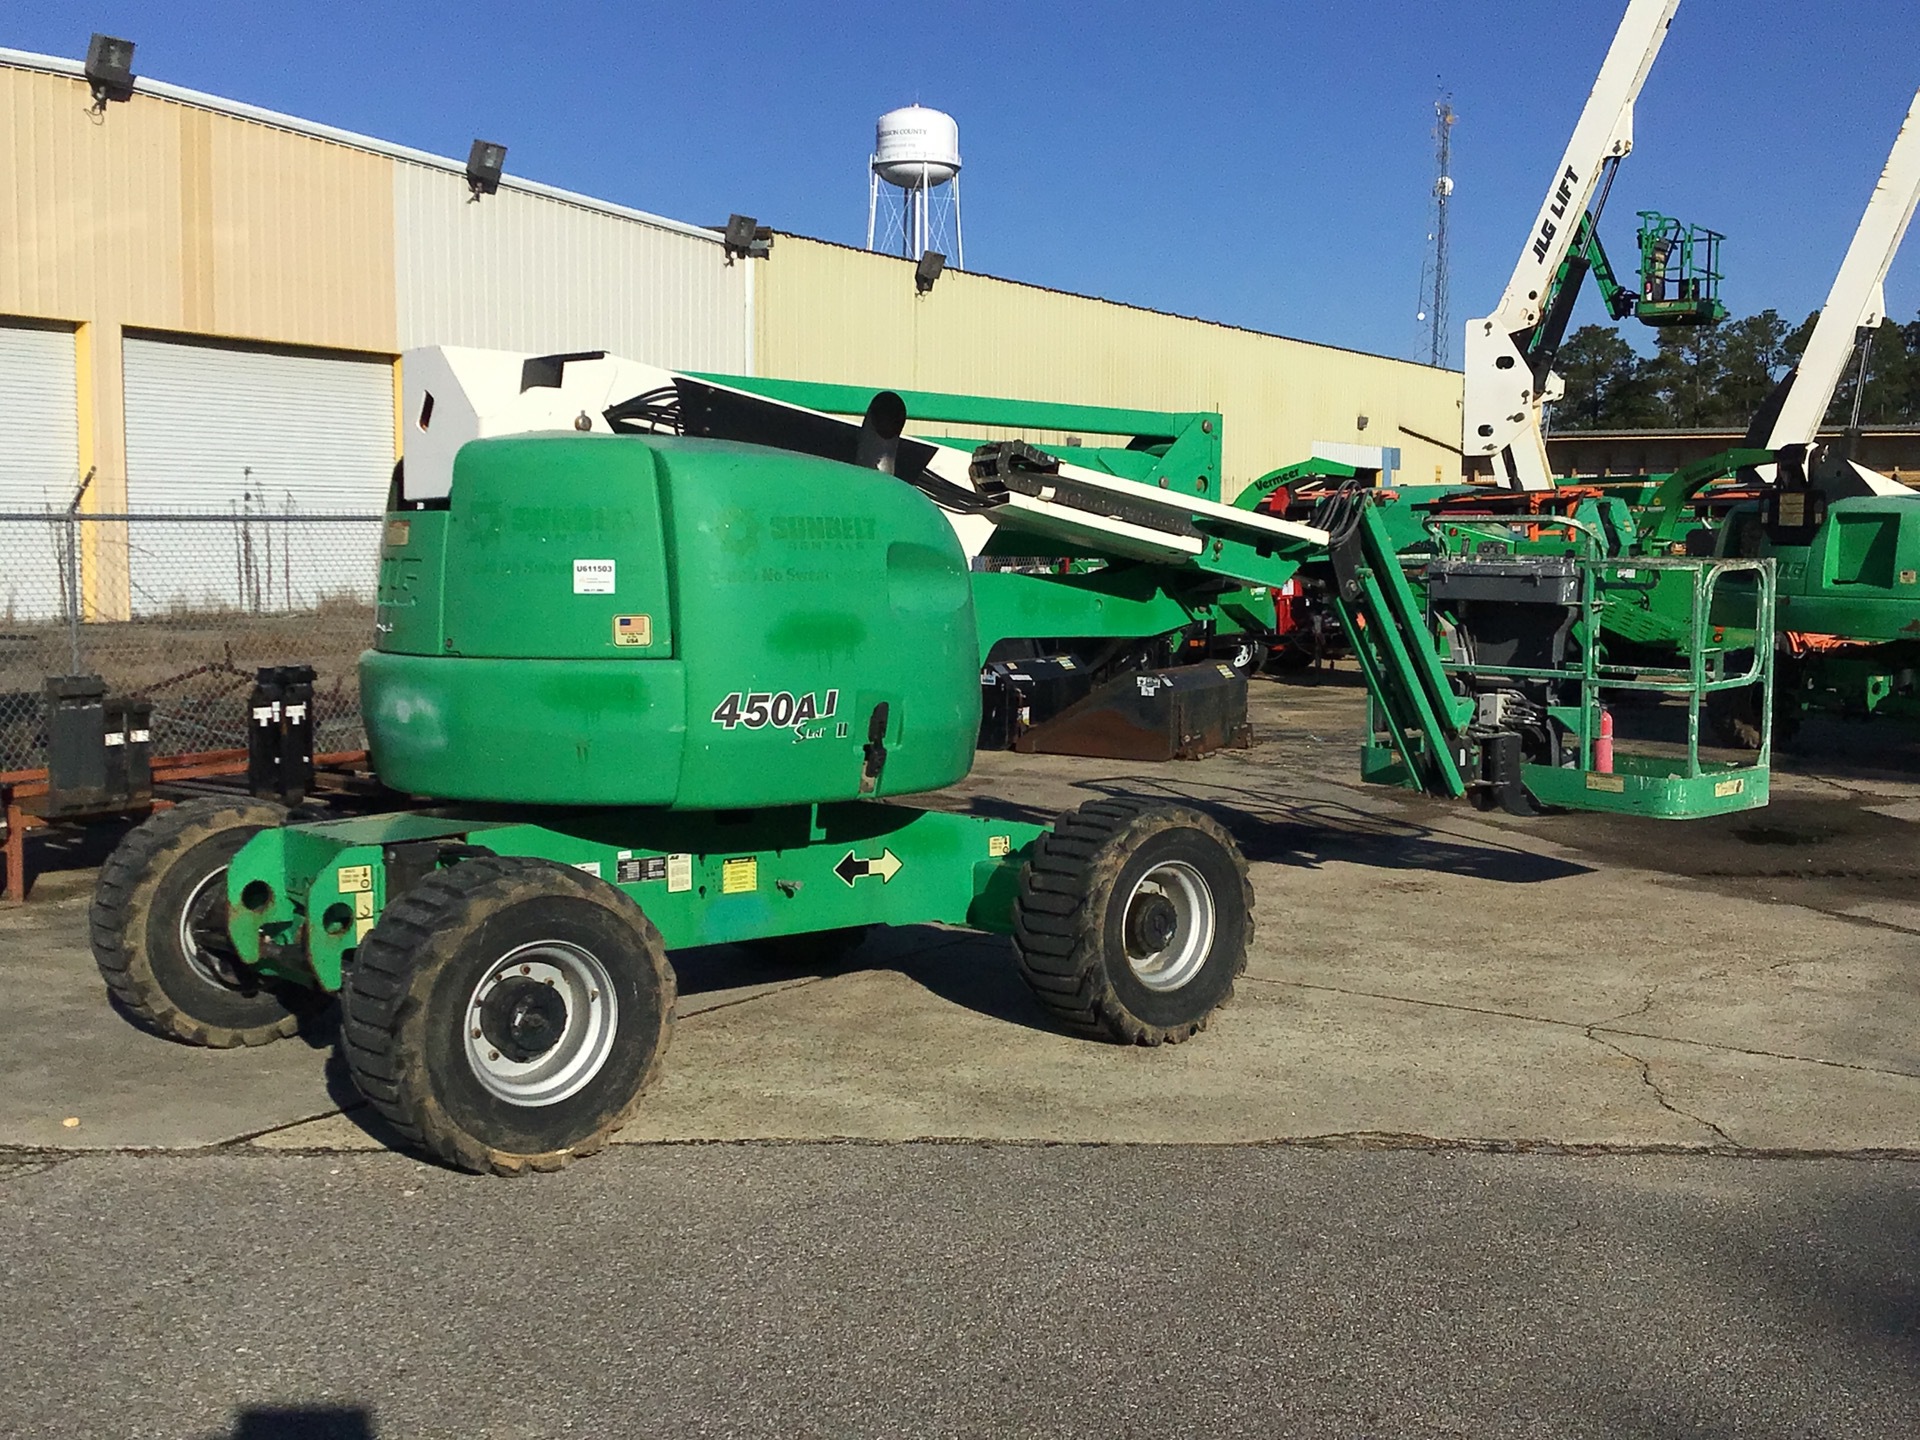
(1265, 164)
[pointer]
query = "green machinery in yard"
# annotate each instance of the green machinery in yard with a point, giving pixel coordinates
(1679, 273)
(1846, 541)
(673, 686)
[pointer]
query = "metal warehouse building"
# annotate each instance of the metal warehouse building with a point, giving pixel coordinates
(201, 301)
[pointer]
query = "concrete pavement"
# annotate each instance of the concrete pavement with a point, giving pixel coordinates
(1420, 971)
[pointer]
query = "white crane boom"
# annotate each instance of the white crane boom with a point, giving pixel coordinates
(1501, 410)
(1858, 301)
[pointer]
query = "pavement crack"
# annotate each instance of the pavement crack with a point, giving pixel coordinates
(1414, 1000)
(1646, 1004)
(1610, 1024)
(1856, 919)
(24, 1165)
(768, 994)
(346, 1108)
(1660, 1095)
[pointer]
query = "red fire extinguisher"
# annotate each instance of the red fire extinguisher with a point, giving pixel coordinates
(1603, 744)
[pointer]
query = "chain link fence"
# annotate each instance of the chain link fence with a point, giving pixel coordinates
(181, 610)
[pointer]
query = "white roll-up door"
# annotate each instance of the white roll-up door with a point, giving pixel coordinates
(250, 441)
(39, 467)
(212, 426)
(39, 434)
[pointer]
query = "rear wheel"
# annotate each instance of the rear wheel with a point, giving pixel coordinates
(507, 1014)
(159, 929)
(1133, 921)
(1242, 653)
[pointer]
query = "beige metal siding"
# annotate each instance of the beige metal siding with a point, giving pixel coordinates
(522, 272)
(826, 312)
(170, 217)
(167, 216)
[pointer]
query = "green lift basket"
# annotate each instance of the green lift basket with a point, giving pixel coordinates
(1679, 273)
(1516, 640)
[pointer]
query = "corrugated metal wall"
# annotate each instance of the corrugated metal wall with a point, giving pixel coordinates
(523, 272)
(169, 217)
(826, 312)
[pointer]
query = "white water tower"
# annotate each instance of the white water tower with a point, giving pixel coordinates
(913, 198)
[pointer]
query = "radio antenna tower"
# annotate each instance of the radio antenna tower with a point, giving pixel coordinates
(1434, 275)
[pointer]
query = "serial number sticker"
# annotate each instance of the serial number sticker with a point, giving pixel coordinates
(679, 873)
(739, 877)
(783, 710)
(633, 630)
(998, 845)
(1615, 783)
(629, 870)
(1729, 787)
(593, 577)
(363, 905)
(355, 878)
(588, 867)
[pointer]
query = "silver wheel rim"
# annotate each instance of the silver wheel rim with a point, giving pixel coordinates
(195, 933)
(584, 988)
(1175, 963)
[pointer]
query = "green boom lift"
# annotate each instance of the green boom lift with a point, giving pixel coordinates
(668, 674)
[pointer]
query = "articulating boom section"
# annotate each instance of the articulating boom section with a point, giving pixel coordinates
(1857, 302)
(1504, 395)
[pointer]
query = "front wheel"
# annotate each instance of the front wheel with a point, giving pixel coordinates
(507, 1014)
(1133, 921)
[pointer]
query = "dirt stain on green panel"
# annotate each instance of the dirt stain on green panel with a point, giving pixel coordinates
(817, 632)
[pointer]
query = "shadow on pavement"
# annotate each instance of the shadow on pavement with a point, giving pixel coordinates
(973, 971)
(1848, 1262)
(1827, 1273)
(301, 1422)
(60, 849)
(1292, 830)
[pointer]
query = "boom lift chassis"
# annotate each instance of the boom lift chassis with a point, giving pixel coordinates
(503, 965)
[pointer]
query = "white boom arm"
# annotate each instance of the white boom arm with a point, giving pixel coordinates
(452, 395)
(1501, 412)
(1858, 300)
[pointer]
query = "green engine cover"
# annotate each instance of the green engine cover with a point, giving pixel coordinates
(628, 620)
(1860, 577)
